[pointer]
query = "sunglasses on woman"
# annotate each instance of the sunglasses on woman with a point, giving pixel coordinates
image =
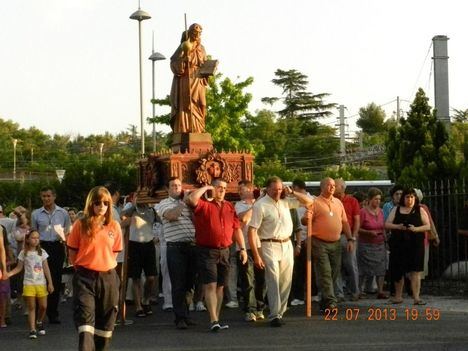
(99, 202)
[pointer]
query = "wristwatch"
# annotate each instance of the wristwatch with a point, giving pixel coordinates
(353, 238)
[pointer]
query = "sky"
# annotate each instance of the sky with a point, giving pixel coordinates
(71, 67)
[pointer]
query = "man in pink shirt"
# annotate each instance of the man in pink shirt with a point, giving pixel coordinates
(328, 222)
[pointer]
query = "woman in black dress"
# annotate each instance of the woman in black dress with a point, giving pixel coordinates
(408, 225)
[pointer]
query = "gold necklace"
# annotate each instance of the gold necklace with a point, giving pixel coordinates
(328, 202)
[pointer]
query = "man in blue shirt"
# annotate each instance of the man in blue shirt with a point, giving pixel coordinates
(53, 224)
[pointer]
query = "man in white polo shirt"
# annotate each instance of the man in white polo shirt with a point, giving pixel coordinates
(271, 221)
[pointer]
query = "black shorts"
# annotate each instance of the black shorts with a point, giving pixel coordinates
(213, 265)
(141, 257)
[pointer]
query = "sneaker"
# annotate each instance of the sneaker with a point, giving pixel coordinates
(276, 323)
(316, 298)
(297, 302)
(191, 307)
(167, 307)
(40, 328)
(259, 315)
(232, 304)
(32, 334)
(215, 326)
(223, 326)
(200, 307)
(140, 314)
(250, 317)
(147, 309)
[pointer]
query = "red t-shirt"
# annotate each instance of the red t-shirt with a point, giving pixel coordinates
(214, 223)
(352, 208)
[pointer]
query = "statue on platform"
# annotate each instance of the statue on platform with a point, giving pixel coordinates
(188, 100)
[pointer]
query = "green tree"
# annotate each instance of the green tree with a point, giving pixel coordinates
(461, 115)
(419, 150)
(371, 119)
(227, 109)
(274, 167)
(298, 102)
(265, 134)
(351, 172)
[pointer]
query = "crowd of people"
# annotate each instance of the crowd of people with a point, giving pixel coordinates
(207, 252)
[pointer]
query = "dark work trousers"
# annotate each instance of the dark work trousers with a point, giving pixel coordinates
(182, 265)
(95, 306)
(252, 283)
(299, 275)
(56, 252)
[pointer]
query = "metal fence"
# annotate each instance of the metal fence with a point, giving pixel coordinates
(448, 263)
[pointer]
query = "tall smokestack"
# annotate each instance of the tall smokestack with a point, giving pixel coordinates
(441, 86)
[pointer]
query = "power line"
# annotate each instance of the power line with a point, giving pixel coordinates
(421, 69)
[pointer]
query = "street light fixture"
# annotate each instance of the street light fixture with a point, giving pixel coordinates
(15, 141)
(155, 56)
(141, 16)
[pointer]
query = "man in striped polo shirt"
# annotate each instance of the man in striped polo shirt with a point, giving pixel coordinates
(179, 233)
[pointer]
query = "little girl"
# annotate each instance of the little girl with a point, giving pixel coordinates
(37, 282)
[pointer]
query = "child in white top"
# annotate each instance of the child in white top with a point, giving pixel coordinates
(37, 282)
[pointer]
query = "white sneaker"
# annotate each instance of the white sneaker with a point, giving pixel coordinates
(232, 304)
(167, 307)
(259, 315)
(250, 317)
(297, 302)
(40, 328)
(200, 307)
(316, 298)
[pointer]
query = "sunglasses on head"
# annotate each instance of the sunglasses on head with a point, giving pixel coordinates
(99, 202)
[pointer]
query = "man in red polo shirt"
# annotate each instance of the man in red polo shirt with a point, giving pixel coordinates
(349, 267)
(216, 224)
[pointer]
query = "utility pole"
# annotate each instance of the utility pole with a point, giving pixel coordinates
(342, 125)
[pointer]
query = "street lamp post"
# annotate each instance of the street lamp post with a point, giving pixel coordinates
(141, 16)
(155, 56)
(15, 141)
(101, 146)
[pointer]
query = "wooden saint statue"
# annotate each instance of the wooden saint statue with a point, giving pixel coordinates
(188, 93)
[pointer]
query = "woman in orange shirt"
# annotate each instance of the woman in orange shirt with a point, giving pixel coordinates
(93, 245)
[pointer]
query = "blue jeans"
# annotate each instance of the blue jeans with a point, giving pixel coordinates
(349, 269)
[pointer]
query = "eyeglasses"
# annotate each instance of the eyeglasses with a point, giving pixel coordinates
(99, 202)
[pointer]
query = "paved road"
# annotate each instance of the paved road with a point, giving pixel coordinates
(390, 330)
